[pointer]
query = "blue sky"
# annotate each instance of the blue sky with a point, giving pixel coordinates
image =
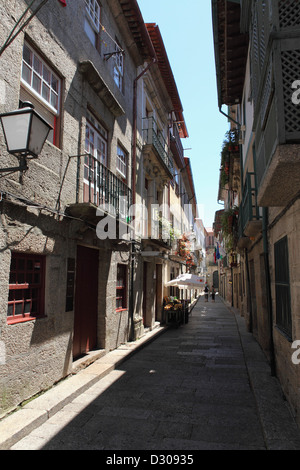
(186, 28)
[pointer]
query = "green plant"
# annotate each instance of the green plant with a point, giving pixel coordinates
(229, 146)
(229, 227)
(184, 250)
(167, 230)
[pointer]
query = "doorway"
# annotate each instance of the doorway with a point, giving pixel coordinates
(86, 301)
(145, 285)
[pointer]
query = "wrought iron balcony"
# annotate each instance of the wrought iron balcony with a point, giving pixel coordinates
(250, 219)
(176, 146)
(156, 144)
(98, 187)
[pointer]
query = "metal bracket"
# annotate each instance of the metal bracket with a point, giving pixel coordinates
(110, 54)
(23, 167)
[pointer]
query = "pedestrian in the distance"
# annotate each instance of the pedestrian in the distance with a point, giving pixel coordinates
(206, 293)
(213, 294)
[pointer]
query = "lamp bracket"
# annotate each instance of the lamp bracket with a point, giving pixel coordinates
(110, 54)
(22, 167)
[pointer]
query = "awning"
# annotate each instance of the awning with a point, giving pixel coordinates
(186, 281)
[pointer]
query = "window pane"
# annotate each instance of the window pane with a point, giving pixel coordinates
(27, 55)
(27, 307)
(46, 74)
(26, 73)
(54, 100)
(37, 65)
(29, 264)
(10, 310)
(21, 264)
(29, 270)
(54, 84)
(46, 92)
(19, 294)
(18, 309)
(90, 32)
(36, 83)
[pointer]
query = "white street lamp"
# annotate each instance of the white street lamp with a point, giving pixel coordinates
(25, 133)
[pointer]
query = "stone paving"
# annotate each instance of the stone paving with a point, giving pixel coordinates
(205, 385)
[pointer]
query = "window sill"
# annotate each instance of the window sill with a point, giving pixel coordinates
(121, 309)
(15, 321)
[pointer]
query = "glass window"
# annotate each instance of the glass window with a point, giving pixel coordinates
(42, 87)
(95, 161)
(96, 139)
(121, 296)
(92, 21)
(40, 79)
(26, 287)
(121, 162)
(118, 67)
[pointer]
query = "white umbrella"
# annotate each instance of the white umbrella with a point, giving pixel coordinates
(186, 281)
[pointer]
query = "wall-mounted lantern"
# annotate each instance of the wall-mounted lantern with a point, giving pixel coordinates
(25, 133)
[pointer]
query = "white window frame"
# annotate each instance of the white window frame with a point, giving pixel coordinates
(122, 162)
(99, 141)
(93, 10)
(40, 75)
(92, 20)
(118, 67)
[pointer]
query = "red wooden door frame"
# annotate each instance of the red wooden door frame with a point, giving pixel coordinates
(86, 301)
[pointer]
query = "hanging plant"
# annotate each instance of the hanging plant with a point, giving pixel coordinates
(183, 249)
(229, 227)
(228, 220)
(230, 147)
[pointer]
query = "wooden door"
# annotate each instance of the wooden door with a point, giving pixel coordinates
(86, 301)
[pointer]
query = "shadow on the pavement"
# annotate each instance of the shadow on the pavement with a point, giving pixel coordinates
(188, 389)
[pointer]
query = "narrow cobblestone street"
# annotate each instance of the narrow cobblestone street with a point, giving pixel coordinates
(204, 385)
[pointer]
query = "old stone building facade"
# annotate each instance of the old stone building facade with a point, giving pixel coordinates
(77, 278)
(256, 45)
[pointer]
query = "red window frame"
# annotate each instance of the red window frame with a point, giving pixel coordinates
(26, 288)
(121, 288)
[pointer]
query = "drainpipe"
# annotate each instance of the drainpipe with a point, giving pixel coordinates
(269, 296)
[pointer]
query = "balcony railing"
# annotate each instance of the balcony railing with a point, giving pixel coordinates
(153, 136)
(103, 188)
(176, 145)
(249, 214)
(275, 69)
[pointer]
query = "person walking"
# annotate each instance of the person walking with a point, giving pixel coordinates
(206, 293)
(213, 292)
